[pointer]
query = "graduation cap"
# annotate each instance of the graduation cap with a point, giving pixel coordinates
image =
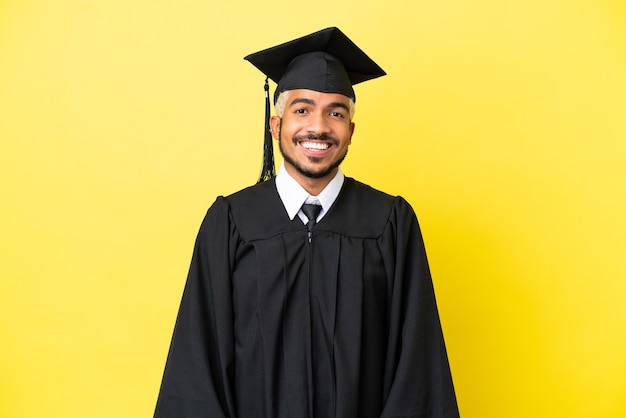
(326, 61)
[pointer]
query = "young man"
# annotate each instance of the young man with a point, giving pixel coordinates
(309, 294)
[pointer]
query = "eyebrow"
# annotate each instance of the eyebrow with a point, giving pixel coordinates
(301, 100)
(312, 102)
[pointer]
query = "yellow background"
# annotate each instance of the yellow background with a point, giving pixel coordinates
(502, 122)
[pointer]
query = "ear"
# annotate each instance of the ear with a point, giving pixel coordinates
(275, 126)
(351, 131)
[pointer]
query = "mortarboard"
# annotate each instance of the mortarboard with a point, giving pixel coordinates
(326, 61)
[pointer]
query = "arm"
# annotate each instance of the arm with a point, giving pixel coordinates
(199, 369)
(417, 373)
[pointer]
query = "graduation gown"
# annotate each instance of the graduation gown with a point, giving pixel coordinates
(273, 324)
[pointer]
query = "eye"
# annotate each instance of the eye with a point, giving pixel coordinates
(337, 114)
(300, 111)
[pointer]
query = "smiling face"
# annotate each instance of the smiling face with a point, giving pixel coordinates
(314, 134)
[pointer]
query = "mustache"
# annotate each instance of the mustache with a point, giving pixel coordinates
(314, 137)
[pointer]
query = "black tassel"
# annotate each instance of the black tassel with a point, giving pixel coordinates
(267, 171)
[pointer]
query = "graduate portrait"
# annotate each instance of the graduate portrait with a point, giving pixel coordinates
(335, 210)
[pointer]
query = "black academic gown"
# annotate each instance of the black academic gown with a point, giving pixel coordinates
(272, 325)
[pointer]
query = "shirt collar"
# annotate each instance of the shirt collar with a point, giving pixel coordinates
(293, 195)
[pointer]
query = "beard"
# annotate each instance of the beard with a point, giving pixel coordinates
(325, 171)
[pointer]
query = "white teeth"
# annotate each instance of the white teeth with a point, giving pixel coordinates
(315, 145)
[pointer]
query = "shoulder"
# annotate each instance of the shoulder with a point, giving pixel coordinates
(373, 199)
(256, 211)
(247, 199)
(361, 192)
(361, 210)
(257, 192)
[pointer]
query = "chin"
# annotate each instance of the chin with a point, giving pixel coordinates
(315, 174)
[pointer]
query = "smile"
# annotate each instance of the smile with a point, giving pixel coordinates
(311, 145)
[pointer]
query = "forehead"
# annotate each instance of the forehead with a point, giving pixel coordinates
(317, 98)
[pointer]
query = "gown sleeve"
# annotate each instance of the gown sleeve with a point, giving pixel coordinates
(417, 377)
(198, 376)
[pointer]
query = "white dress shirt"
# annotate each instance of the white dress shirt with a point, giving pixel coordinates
(294, 196)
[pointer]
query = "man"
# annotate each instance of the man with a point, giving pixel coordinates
(309, 294)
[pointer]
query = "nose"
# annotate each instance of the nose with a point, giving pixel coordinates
(318, 124)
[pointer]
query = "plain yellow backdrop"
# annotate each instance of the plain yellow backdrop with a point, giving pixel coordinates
(502, 122)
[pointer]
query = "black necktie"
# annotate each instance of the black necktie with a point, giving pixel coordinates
(311, 212)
